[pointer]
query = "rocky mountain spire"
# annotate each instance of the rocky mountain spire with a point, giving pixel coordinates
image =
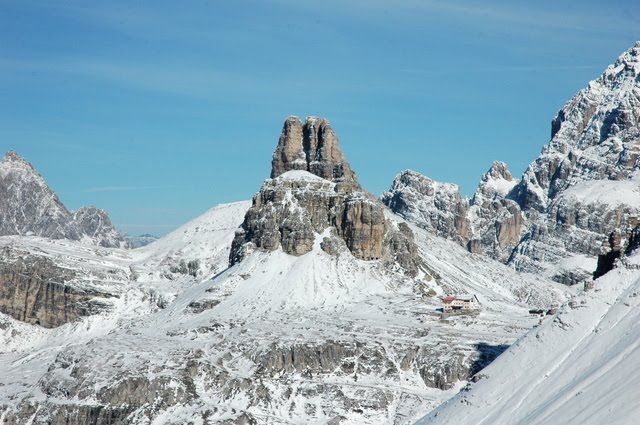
(313, 147)
(28, 206)
(313, 190)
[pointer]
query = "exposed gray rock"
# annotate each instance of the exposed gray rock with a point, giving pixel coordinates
(313, 189)
(333, 245)
(29, 207)
(563, 207)
(434, 206)
(490, 223)
(312, 147)
(498, 222)
(96, 224)
(35, 290)
(594, 139)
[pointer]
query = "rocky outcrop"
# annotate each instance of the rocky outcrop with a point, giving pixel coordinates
(490, 223)
(498, 222)
(312, 189)
(96, 225)
(35, 290)
(437, 207)
(29, 207)
(583, 186)
(312, 147)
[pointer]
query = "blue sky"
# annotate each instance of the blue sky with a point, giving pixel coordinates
(156, 111)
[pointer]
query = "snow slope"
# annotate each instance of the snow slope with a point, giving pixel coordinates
(578, 367)
(281, 338)
(206, 239)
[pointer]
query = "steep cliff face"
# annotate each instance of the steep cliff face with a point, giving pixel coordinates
(34, 289)
(584, 185)
(313, 191)
(95, 224)
(313, 147)
(593, 137)
(29, 207)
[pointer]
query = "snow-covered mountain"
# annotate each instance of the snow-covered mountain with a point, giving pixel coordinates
(557, 218)
(314, 303)
(29, 207)
(327, 314)
(140, 240)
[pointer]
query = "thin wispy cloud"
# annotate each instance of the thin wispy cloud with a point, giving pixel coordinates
(130, 188)
(198, 82)
(506, 69)
(523, 16)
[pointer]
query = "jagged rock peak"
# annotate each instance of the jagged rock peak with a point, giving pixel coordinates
(432, 205)
(96, 224)
(11, 155)
(497, 182)
(593, 136)
(13, 161)
(498, 170)
(313, 147)
(28, 206)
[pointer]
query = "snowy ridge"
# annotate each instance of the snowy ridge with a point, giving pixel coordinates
(205, 240)
(582, 187)
(578, 367)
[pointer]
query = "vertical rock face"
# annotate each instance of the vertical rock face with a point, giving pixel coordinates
(29, 207)
(312, 147)
(34, 290)
(313, 189)
(593, 137)
(584, 185)
(489, 223)
(361, 223)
